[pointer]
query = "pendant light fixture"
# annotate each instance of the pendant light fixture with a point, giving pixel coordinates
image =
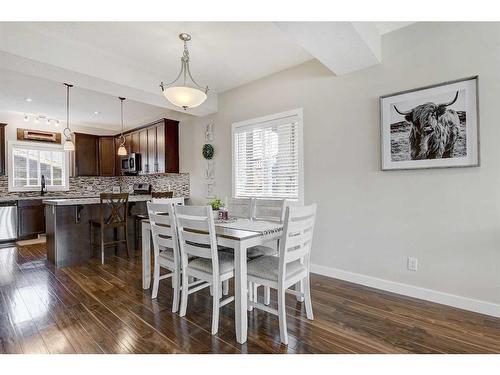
(184, 94)
(122, 151)
(68, 143)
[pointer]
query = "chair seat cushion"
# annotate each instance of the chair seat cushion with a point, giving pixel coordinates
(258, 251)
(267, 267)
(226, 263)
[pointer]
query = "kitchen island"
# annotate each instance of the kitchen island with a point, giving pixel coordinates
(68, 230)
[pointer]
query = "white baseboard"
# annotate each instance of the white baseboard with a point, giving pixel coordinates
(453, 300)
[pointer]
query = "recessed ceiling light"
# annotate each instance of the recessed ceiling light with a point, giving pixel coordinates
(37, 120)
(96, 112)
(26, 118)
(28, 99)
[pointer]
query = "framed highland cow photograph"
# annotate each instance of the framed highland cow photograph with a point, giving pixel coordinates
(431, 127)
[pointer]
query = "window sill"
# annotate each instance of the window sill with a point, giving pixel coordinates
(36, 189)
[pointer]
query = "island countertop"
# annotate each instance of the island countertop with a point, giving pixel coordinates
(89, 200)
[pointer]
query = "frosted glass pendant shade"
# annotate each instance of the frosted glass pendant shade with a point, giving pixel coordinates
(122, 151)
(69, 145)
(184, 97)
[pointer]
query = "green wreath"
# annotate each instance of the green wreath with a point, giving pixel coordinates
(208, 151)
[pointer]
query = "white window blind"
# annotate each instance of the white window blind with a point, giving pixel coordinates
(266, 156)
(29, 161)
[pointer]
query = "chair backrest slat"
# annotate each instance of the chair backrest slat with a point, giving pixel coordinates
(269, 209)
(115, 206)
(163, 228)
(296, 241)
(175, 201)
(197, 232)
(197, 251)
(240, 207)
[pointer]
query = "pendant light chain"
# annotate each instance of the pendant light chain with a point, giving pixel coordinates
(122, 138)
(67, 130)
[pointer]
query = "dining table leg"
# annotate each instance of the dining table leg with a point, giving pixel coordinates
(146, 255)
(240, 289)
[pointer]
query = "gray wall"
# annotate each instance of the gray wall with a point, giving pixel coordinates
(369, 221)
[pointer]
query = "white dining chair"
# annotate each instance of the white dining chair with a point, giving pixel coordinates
(240, 207)
(290, 267)
(268, 210)
(165, 247)
(211, 267)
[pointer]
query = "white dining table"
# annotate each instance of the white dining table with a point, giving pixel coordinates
(239, 240)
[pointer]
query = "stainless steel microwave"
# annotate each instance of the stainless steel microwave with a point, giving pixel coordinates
(131, 163)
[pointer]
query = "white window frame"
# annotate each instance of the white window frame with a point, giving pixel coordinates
(255, 122)
(41, 146)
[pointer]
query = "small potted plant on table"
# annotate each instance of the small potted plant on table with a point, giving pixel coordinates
(216, 205)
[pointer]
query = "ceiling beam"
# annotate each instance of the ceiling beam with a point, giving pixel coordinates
(343, 47)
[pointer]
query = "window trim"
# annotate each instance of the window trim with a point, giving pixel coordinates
(298, 112)
(38, 146)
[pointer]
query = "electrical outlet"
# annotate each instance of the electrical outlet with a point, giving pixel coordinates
(412, 264)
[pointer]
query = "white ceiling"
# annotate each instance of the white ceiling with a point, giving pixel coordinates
(49, 101)
(109, 59)
(224, 54)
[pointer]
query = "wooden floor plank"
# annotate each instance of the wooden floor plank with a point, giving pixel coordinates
(95, 308)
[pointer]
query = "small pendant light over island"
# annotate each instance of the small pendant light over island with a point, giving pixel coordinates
(122, 151)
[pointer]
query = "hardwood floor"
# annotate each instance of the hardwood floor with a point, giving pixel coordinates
(92, 308)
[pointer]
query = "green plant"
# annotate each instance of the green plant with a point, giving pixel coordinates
(216, 204)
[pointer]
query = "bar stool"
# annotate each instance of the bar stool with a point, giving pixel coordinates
(140, 217)
(116, 207)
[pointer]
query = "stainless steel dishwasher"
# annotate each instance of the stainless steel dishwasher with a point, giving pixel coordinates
(8, 220)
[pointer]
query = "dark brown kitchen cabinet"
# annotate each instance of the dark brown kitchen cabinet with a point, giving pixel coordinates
(152, 156)
(128, 143)
(143, 150)
(31, 218)
(158, 144)
(107, 156)
(86, 154)
(160, 148)
(2, 149)
(171, 146)
(135, 145)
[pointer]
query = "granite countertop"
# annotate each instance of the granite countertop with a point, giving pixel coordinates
(68, 201)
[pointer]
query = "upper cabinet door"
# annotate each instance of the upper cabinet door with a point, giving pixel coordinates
(152, 156)
(2, 149)
(128, 143)
(134, 143)
(171, 146)
(106, 156)
(86, 155)
(143, 149)
(160, 148)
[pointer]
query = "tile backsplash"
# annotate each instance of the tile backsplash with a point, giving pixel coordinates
(91, 186)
